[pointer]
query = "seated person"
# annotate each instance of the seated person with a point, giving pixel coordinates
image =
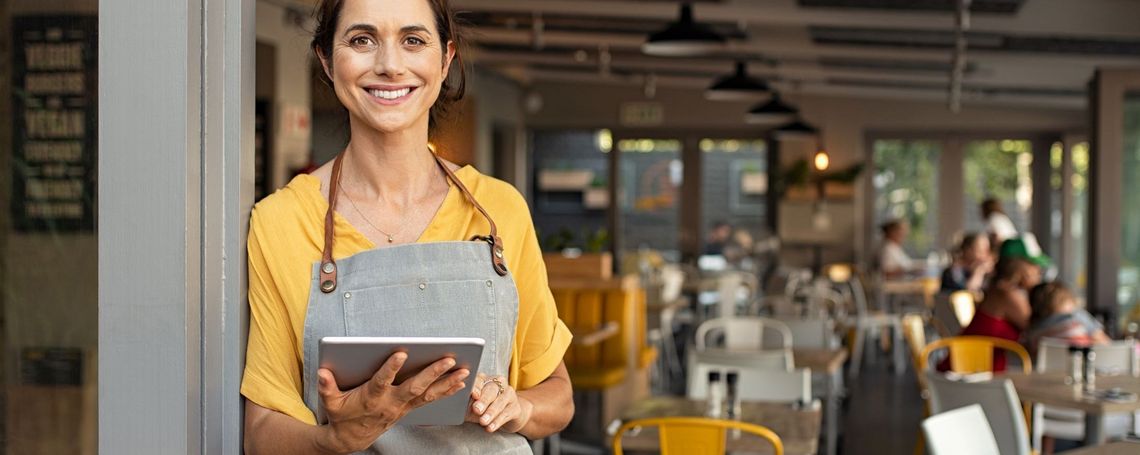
(1056, 314)
(974, 261)
(1004, 312)
(718, 238)
(1025, 247)
(893, 261)
(998, 225)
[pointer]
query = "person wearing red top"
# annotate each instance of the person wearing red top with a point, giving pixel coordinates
(1005, 310)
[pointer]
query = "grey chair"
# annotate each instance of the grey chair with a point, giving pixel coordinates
(997, 398)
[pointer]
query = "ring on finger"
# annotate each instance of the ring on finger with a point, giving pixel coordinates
(498, 382)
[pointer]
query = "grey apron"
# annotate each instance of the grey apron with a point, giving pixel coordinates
(457, 289)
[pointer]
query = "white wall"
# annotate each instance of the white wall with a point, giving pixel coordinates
(277, 27)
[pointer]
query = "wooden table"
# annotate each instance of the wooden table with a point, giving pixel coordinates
(798, 428)
(924, 287)
(1116, 448)
(829, 363)
(1050, 389)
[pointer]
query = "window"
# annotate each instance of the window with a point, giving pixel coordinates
(998, 169)
(906, 180)
(1128, 294)
(651, 176)
(734, 184)
(48, 238)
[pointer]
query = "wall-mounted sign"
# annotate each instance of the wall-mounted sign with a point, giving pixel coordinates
(642, 114)
(52, 366)
(54, 81)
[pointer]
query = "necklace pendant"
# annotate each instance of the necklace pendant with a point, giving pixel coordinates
(390, 239)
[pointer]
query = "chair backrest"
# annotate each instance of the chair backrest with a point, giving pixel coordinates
(728, 287)
(973, 354)
(914, 331)
(821, 299)
(817, 333)
(1116, 357)
(755, 383)
(964, 305)
(672, 282)
(945, 320)
(962, 430)
(767, 359)
(743, 332)
(998, 400)
(695, 435)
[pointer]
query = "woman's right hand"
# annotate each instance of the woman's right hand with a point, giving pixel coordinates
(357, 417)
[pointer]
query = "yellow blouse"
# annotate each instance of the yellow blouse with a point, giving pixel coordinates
(286, 234)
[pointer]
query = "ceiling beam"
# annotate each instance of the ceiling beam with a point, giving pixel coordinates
(968, 97)
(1085, 18)
(798, 49)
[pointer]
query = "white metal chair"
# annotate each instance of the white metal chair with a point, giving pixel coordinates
(960, 431)
(743, 332)
(817, 333)
(759, 384)
(1069, 424)
(866, 323)
(670, 300)
(997, 398)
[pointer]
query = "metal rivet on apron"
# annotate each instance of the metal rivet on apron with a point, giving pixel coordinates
(423, 286)
(348, 295)
(328, 286)
(327, 267)
(499, 254)
(489, 283)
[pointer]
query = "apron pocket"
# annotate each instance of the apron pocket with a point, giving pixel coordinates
(442, 308)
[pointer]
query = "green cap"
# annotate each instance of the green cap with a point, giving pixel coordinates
(1025, 247)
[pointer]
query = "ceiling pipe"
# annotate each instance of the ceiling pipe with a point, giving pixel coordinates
(958, 66)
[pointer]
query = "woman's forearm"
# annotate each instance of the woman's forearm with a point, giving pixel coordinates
(271, 432)
(552, 405)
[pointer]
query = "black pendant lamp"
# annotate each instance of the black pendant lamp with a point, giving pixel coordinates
(796, 130)
(737, 86)
(684, 38)
(773, 111)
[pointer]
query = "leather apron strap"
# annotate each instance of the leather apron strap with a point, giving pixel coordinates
(328, 267)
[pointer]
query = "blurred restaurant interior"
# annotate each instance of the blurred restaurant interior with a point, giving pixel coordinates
(784, 199)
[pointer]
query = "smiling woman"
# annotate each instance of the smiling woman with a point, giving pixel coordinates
(427, 248)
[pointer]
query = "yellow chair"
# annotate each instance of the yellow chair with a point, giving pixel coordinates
(696, 435)
(914, 331)
(974, 354)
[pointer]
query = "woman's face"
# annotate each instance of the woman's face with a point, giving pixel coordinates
(979, 251)
(387, 62)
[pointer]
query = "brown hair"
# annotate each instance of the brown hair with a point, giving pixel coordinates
(1046, 298)
(1009, 270)
(990, 206)
(327, 14)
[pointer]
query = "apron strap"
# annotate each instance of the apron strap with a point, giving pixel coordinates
(328, 264)
(496, 243)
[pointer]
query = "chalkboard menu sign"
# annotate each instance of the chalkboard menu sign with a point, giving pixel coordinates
(54, 81)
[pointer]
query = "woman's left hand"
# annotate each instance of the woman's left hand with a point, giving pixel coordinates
(496, 406)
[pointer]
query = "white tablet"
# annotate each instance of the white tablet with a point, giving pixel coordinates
(353, 361)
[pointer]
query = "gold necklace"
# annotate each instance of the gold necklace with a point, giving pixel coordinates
(391, 237)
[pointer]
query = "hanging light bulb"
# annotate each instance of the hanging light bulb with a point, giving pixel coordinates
(822, 161)
(684, 37)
